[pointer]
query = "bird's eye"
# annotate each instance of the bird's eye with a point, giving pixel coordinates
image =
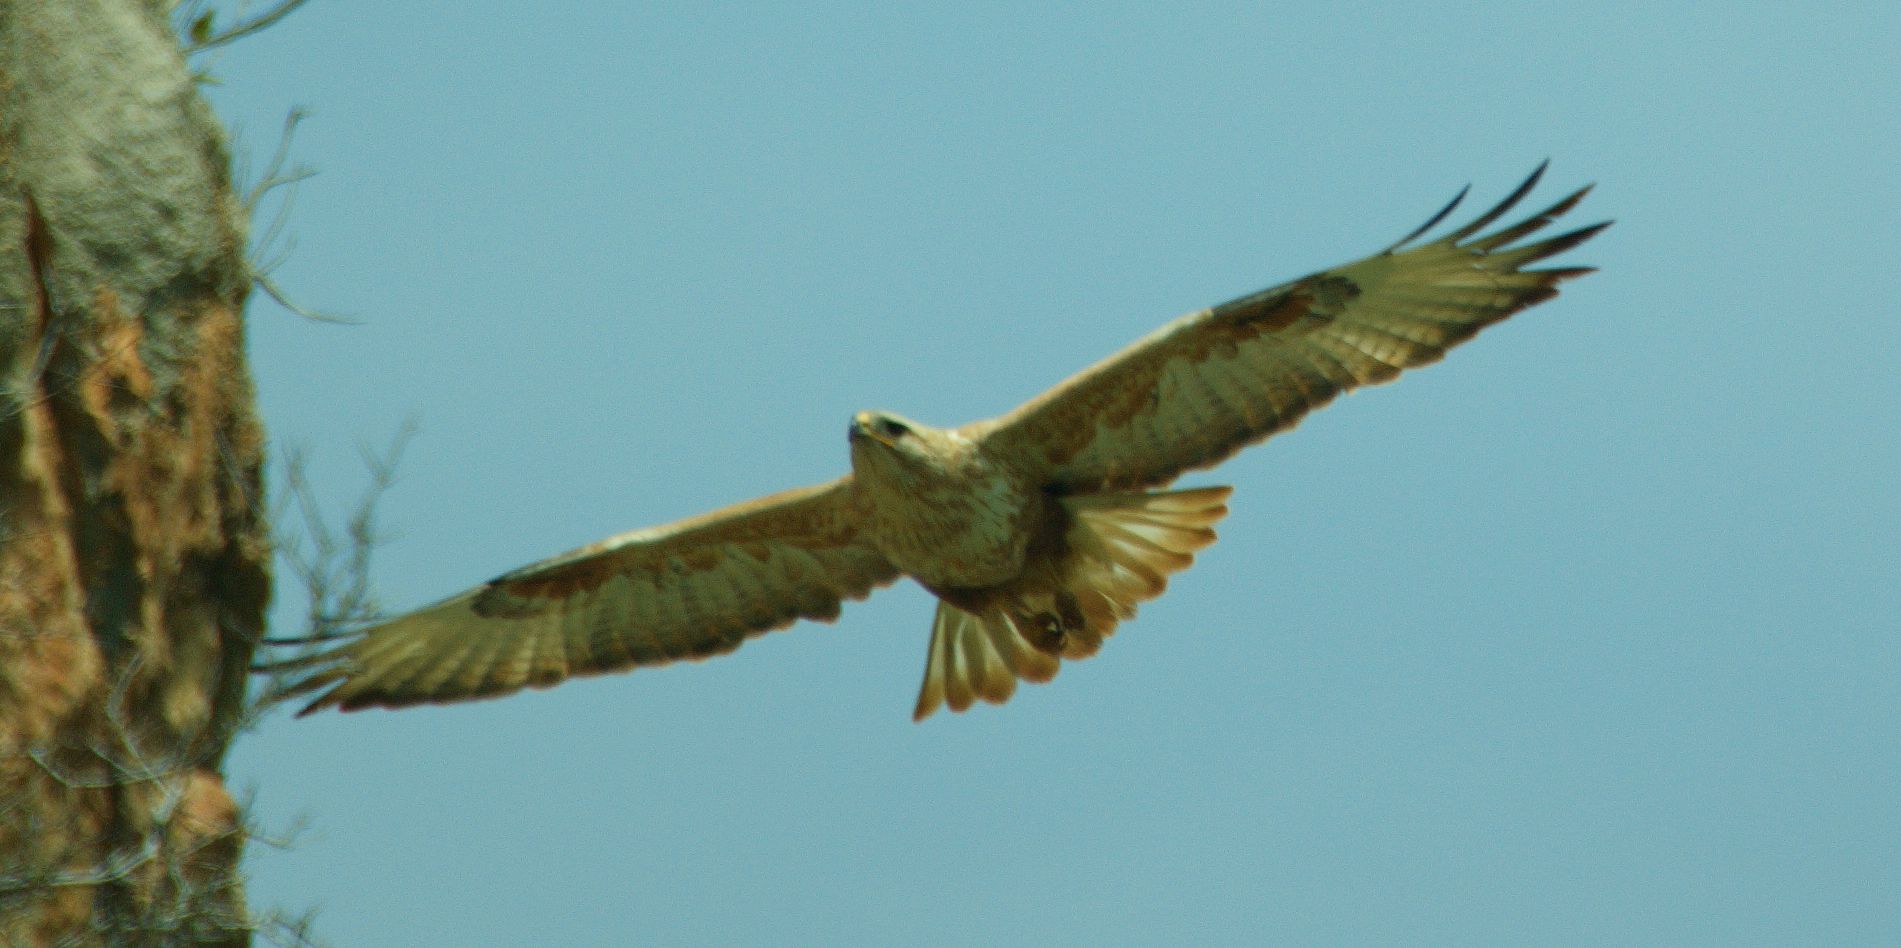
(892, 429)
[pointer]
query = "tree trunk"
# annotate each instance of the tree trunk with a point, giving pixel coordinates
(134, 554)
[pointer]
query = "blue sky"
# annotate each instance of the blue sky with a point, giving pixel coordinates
(1586, 635)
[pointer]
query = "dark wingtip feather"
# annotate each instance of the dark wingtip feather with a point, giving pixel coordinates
(296, 663)
(327, 678)
(1511, 200)
(1530, 225)
(1553, 246)
(1432, 221)
(300, 675)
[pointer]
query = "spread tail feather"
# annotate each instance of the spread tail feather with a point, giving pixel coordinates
(1118, 551)
(975, 657)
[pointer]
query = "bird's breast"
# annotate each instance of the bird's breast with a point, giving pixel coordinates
(968, 531)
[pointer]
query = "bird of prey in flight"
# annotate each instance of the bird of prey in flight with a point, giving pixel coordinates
(1039, 531)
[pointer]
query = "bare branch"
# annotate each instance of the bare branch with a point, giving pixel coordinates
(275, 174)
(276, 293)
(279, 173)
(260, 22)
(332, 566)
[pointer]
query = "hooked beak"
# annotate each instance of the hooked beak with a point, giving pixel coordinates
(868, 426)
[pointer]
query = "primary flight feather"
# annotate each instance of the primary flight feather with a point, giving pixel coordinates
(1038, 531)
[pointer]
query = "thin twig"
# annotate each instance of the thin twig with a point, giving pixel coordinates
(261, 21)
(332, 567)
(271, 289)
(275, 176)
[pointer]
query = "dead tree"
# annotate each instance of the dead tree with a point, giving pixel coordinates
(134, 555)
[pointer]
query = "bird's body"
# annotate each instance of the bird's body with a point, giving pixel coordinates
(1038, 531)
(941, 508)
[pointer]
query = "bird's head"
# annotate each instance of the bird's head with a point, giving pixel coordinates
(880, 427)
(893, 447)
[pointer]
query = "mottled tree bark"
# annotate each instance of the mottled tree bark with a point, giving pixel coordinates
(134, 555)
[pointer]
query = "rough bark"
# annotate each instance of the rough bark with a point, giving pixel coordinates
(134, 557)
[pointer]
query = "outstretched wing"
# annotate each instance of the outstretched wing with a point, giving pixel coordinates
(691, 589)
(1210, 383)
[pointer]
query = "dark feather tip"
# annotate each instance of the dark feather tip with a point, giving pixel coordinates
(1432, 221)
(1499, 210)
